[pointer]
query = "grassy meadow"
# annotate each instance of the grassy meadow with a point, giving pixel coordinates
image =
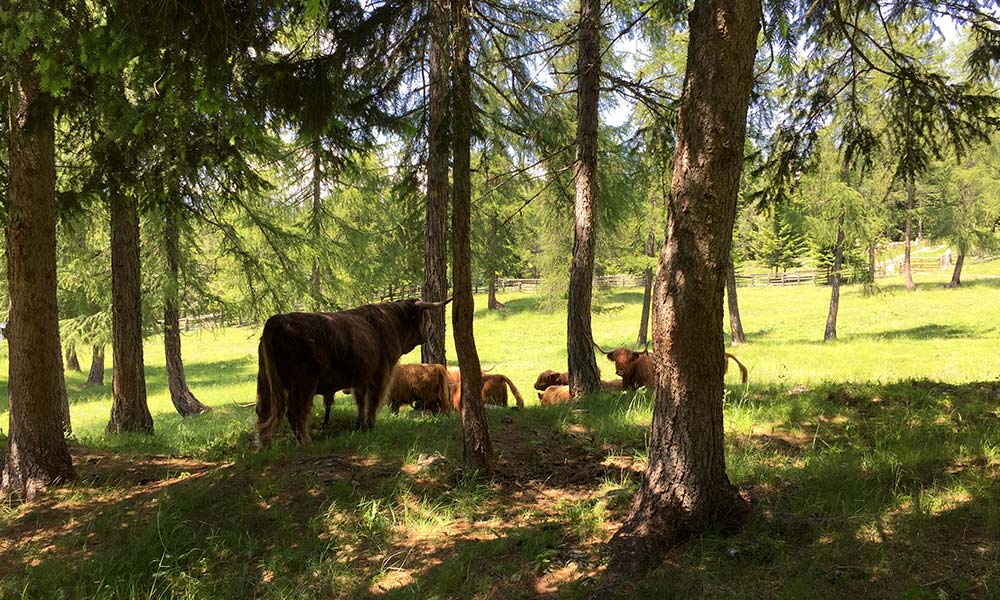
(872, 464)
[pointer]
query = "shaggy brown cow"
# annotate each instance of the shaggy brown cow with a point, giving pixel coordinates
(548, 378)
(302, 353)
(636, 368)
(424, 387)
(554, 394)
(494, 389)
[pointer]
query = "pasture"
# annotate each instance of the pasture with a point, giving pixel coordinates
(873, 466)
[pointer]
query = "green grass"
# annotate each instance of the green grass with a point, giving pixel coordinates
(872, 463)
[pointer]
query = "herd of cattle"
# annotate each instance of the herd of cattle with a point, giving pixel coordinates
(302, 355)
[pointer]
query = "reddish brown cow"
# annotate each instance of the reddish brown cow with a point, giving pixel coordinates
(424, 387)
(302, 353)
(555, 394)
(455, 388)
(549, 378)
(494, 389)
(636, 368)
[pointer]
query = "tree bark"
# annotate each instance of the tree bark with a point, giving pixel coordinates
(37, 455)
(435, 286)
(477, 447)
(870, 284)
(907, 272)
(317, 215)
(956, 275)
(184, 401)
(838, 258)
(72, 360)
(647, 292)
(685, 487)
(96, 374)
(129, 411)
(583, 373)
(735, 322)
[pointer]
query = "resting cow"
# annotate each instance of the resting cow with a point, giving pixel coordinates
(424, 387)
(302, 353)
(494, 389)
(636, 368)
(548, 378)
(554, 394)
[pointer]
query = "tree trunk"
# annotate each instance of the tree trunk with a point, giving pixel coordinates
(96, 375)
(129, 411)
(685, 487)
(477, 447)
(317, 215)
(184, 401)
(435, 286)
(907, 273)
(492, 303)
(647, 292)
(583, 373)
(870, 284)
(37, 455)
(956, 275)
(735, 322)
(838, 259)
(72, 360)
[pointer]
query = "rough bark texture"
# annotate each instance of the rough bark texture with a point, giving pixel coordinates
(735, 321)
(907, 272)
(477, 447)
(72, 360)
(583, 373)
(129, 411)
(317, 216)
(685, 487)
(184, 401)
(37, 455)
(96, 374)
(647, 293)
(435, 286)
(956, 275)
(838, 259)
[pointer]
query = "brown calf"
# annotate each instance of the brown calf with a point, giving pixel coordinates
(550, 377)
(554, 394)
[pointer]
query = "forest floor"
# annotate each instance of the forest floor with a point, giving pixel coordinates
(872, 464)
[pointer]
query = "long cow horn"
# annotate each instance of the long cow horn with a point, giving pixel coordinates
(440, 304)
(599, 349)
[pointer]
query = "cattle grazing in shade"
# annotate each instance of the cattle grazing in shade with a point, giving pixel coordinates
(636, 368)
(422, 386)
(555, 394)
(495, 390)
(301, 354)
(548, 378)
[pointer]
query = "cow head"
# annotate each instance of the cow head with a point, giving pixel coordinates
(416, 316)
(545, 379)
(623, 359)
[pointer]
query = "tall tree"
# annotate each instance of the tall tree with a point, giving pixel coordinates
(685, 485)
(732, 302)
(435, 226)
(129, 410)
(583, 373)
(477, 447)
(36, 449)
(647, 292)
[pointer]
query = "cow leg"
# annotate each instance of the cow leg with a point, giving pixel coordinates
(359, 394)
(300, 399)
(372, 396)
(327, 403)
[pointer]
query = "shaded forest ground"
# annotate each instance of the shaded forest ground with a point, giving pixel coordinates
(873, 464)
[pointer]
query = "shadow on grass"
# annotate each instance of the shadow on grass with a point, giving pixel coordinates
(922, 332)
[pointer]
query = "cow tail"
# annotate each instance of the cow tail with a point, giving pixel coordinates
(744, 374)
(273, 407)
(513, 388)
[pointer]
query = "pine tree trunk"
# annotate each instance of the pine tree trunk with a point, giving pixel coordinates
(317, 215)
(647, 292)
(96, 374)
(907, 272)
(870, 284)
(838, 260)
(685, 487)
(184, 401)
(435, 286)
(956, 275)
(583, 373)
(735, 322)
(37, 455)
(492, 303)
(129, 411)
(72, 360)
(477, 447)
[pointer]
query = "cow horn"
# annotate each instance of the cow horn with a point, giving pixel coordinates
(599, 349)
(645, 350)
(440, 304)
